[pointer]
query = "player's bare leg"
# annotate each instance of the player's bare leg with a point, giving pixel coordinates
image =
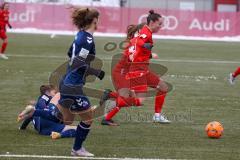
(68, 116)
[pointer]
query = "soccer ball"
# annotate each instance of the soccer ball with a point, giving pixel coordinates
(214, 129)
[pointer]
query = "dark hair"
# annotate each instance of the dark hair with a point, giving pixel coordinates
(83, 17)
(46, 88)
(3, 5)
(153, 16)
(132, 29)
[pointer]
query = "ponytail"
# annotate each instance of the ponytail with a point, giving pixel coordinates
(153, 16)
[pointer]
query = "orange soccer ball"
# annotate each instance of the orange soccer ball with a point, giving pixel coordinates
(214, 129)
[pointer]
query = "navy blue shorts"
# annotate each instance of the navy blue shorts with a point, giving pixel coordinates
(75, 103)
(46, 127)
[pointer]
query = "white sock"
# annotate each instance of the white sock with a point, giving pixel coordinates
(157, 114)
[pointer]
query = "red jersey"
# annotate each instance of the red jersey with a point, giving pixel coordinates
(120, 70)
(4, 18)
(123, 63)
(142, 54)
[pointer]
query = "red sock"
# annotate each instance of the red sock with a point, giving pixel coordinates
(112, 113)
(127, 102)
(236, 73)
(4, 46)
(159, 101)
(122, 102)
(113, 94)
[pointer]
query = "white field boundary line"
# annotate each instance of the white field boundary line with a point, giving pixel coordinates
(71, 157)
(53, 33)
(156, 60)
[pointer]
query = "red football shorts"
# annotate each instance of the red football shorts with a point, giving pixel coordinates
(140, 84)
(3, 34)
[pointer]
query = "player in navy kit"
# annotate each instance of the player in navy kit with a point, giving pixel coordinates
(45, 115)
(73, 101)
(46, 94)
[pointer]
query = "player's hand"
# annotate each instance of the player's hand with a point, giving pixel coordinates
(155, 56)
(148, 46)
(10, 26)
(101, 75)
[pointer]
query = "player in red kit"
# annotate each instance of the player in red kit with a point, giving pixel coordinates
(141, 77)
(124, 97)
(4, 21)
(234, 75)
(128, 93)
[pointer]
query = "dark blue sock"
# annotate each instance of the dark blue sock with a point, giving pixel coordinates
(81, 134)
(68, 133)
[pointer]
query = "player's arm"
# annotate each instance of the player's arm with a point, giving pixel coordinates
(86, 52)
(93, 71)
(42, 103)
(9, 25)
(70, 51)
(6, 21)
(154, 56)
(144, 41)
(142, 44)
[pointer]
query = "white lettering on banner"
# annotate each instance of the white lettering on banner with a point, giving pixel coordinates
(222, 25)
(170, 21)
(28, 16)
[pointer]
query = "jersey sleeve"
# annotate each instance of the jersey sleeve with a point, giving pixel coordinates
(42, 102)
(143, 38)
(70, 51)
(83, 46)
(82, 53)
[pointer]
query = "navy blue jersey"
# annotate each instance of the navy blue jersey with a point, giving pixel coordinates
(42, 104)
(81, 53)
(83, 45)
(43, 101)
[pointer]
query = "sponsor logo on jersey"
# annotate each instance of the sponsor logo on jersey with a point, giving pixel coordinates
(84, 53)
(143, 36)
(89, 40)
(45, 98)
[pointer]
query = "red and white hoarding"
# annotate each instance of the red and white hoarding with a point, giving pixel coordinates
(116, 20)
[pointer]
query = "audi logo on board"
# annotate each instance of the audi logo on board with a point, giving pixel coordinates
(170, 22)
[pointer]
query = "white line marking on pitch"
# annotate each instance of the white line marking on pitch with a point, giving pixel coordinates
(70, 157)
(158, 60)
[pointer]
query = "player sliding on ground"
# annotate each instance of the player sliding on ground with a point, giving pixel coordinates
(73, 101)
(233, 76)
(138, 76)
(45, 115)
(4, 21)
(47, 92)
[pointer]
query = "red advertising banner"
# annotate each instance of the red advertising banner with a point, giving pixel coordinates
(116, 20)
